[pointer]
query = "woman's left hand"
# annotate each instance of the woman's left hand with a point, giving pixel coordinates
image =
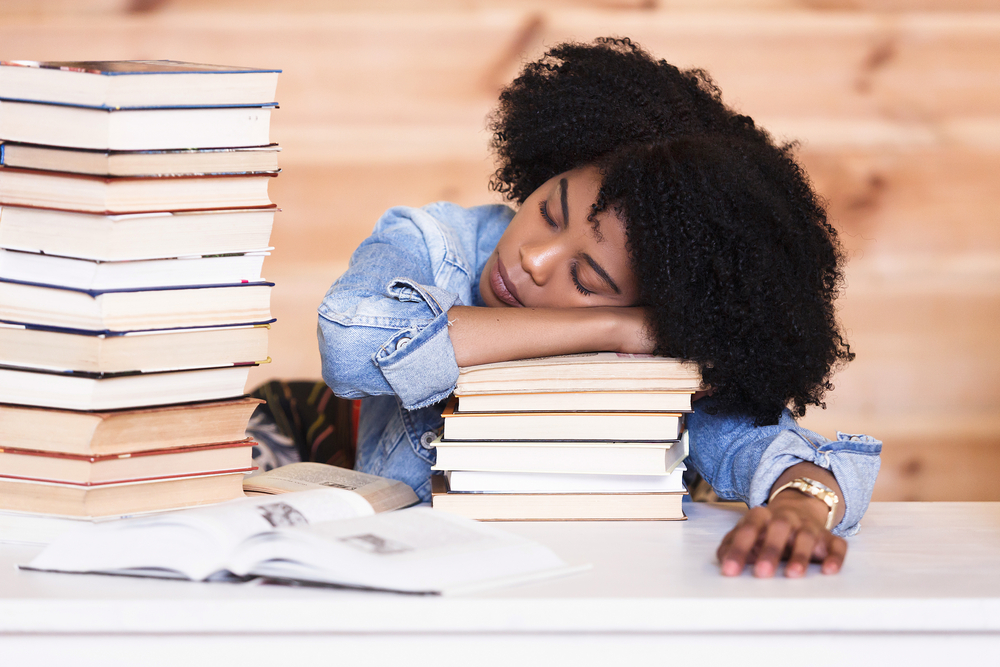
(791, 527)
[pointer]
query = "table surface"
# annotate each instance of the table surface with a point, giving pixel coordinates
(914, 567)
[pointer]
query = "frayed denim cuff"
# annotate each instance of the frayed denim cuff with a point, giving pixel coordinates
(853, 460)
(419, 362)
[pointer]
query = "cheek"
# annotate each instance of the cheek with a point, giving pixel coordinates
(485, 292)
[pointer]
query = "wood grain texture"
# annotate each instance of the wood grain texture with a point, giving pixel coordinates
(896, 104)
(309, 6)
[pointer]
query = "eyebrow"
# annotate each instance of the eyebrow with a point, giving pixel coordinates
(601, 272)
(598, 269)
(563, 186)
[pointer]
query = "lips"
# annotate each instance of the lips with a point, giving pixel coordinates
(502, 287)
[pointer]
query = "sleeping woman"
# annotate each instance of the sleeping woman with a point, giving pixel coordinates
(646, 217)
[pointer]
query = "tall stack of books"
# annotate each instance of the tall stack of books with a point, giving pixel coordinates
(134, 220)
(579, 437)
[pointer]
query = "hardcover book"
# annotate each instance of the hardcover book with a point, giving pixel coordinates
(135, 236)
(111, 391)
(594, 371)
(619, 458)
(95, 500)
(177, 162)
(380, 493)
(133, 129)
(557, 506)
(491, 481)
(592, 401)
(517, 426)
(32, 346)
(135, 310)
(116, 195)
(58, 467)
(136, 83)
(89, 274)
(125, 432)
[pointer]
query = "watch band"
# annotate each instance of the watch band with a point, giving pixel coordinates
(811, 487)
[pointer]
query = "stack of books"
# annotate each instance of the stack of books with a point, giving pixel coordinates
(579, 437)
(134, 221)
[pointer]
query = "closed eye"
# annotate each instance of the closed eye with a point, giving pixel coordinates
(543, 206)
(576, 281)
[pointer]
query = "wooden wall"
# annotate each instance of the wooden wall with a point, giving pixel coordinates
(896, 104)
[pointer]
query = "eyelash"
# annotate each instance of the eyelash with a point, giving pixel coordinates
(543, 206)
(576, 281)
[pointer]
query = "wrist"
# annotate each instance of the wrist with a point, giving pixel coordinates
(627, 330)
(800, 504)
(809, 497)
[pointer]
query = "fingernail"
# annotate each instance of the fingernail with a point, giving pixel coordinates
(763, 569)
(794, 570)
(730, 568)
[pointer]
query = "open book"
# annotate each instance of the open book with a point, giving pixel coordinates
(382, 493)
(322, 536)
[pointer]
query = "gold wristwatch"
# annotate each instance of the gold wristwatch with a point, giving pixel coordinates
(811, 487)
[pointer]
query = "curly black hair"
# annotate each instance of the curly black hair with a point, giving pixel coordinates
(735, 258)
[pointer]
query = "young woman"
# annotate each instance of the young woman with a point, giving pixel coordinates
(650, 218)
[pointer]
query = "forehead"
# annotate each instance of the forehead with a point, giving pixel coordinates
(580, 188)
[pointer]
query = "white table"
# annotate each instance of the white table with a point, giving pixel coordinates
(921, 585)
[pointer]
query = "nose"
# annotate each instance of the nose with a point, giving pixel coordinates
(539, 259)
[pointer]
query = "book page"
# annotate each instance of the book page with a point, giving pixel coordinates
(383, 494)
(193, 542)
(417, 550)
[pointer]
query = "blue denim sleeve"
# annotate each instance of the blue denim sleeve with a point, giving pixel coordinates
(742, 461)
(383, 326)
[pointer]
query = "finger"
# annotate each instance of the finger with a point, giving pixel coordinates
(724, 545)
(836, 552)
(728, 539)
(801, 553)
(743, 539)
(772, 548)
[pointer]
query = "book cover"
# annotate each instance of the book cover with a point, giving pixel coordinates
(60, 349)
(178, 162)
(582, 425)
(134, 309)
(136, 83)
(618, 458)
(592, 401)
(557, 506)
(96, 469)
(134, 129)
(125, 431)
(119, 498)
(88, 274)
(117, 195)
(110, 391)
(131, 236)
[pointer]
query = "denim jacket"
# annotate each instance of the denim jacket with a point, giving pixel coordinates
(383, 337)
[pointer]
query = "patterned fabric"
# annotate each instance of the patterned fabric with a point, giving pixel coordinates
(302, 421)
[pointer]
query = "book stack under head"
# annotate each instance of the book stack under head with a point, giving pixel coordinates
(134, 221)
(579, 437)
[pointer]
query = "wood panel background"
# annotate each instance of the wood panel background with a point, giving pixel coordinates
(896, 104)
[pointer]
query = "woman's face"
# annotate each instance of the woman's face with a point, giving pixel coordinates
(552, 256)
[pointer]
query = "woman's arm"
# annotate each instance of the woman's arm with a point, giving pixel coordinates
(746, 462)
(488, 335)
(792, 526)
